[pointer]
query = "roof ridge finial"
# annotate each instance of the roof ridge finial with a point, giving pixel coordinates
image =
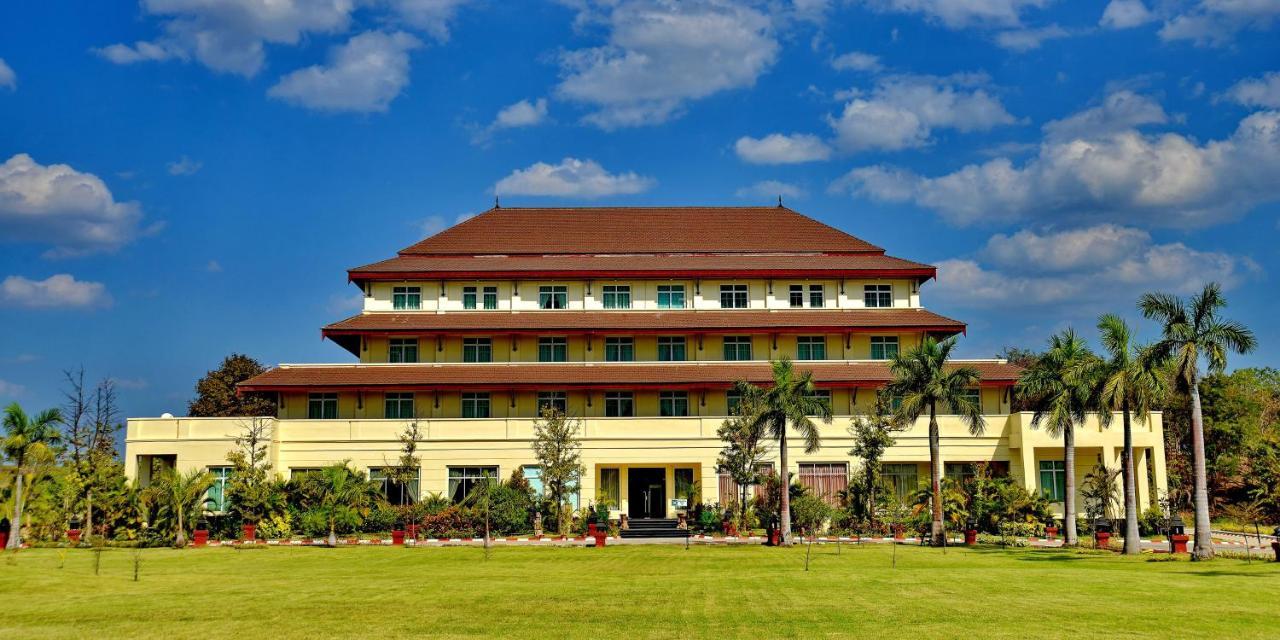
(496, 203)
(779, 200)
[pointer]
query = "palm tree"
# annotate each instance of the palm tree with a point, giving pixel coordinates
(1130, 385)
(26, 439)
(792, 400)
(922, 380)
(1061, 388)
(341, 497)
(183, 495)
(1191, 330)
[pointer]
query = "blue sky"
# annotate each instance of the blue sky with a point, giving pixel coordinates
(181, 179)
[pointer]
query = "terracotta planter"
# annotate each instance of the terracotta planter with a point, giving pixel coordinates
(775, 537)
(591, 529)
(200, 538)
(600, 538)
(397, 537)
(250, 530)
(4, 539)
(730, 529)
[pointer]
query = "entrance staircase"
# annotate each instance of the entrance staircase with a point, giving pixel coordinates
(653, 528)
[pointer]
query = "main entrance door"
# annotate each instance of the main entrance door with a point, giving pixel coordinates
(647, 493)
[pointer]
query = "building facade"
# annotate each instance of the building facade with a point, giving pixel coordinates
(637, 322)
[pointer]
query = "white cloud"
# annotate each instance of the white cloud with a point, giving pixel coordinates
(770, 189)
(1125, 14)
(131, 384)
(570, 178)
(661, 54)
(11, 389)
(340, 303)
(140, 51)
(524, 113)
(856, 61)
(56, 205)
(430, 16)
(363, 75)
(1022, 40)
(57, 291)
(1263, 91)
(432, 225)
(903, 112)
(213, 266)
(959, 14)
(1159, 180)
(1215, 23)
(1061, 268)
(8, 78)
(777, 148)
(1120, 110)
(184, 166)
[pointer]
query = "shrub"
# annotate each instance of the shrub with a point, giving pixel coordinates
(276, 527)
(509, 508)
(810, 513)
(382, 518)
(452, 522)
(1151, 522)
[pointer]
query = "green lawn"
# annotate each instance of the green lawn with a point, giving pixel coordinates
(631, 592)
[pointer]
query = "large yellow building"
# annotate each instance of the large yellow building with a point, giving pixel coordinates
(637, 321)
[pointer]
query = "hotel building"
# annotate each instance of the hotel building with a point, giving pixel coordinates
(637, 321)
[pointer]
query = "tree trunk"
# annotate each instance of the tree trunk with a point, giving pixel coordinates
(1132, 546)
(15, 532)
(784, 516)
(180, 540)
(1203, 547)
(88, 515)
(742, 520)
(1069, 537)
(938, 532)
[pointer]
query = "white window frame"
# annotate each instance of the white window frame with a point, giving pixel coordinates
(879, 296)
(737, 341)
(396, 350)
(613, 404)
(884, 343)
(478, 346)
(616, 296)
(556, 296)
(470, 295)
(490, 294)
(399, 400)
(676, 399)
(669, 344)
(477, 400)
(810, 342)
(736, 293)
(795, 296)
(617, 344)
(671, 290)
(553, 342)
(821, 292)
(406, 294)
(555, 399)
(323, 399)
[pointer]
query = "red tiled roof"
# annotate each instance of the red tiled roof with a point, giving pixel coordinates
(869, 265)
(745, 320)
(590, 230)
(580, 375)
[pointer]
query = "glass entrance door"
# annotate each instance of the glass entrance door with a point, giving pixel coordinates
(647, 493)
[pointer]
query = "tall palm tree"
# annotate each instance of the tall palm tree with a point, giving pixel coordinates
(791, 400)
(342, 497)
(1132, 386)
(183, 496)
(1191, 330)
(1061, 388)
(27, 438)
(923, 380)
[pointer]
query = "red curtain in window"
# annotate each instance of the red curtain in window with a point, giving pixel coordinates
(825, 480)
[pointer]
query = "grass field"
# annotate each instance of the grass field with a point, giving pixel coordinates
(655, 591)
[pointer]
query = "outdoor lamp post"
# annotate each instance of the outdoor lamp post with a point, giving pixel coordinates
(1275, 544)
(971, 531)
(1177, 534)
(73, 530)
(1101, 532)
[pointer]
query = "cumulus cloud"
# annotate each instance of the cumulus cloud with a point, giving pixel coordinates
(1263, 91)
(8, 79)
(56, 205)
(1022, 40)
(184, 166)
(856, 61)
(903, 112)
(777, 148)
(1120, 110)
(1159, 180)
(1084, 268)
(11, 389)
(1125, 14)
(571, 178)
(430, 16)
(363, 75)
(959, 14)
(61, 291)
(1215, 23)
(213, 266)
(770, 189)
(661, 54)
(525, 113)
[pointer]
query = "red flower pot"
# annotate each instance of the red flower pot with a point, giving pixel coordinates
(591, 528)
(201, 537)
(250, 530)
(397, 537)
(1101, 539)
(4, 539)
(730, 529)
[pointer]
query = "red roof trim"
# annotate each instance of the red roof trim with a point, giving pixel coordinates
(355, 275)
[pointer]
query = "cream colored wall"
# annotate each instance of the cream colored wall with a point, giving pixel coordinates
(665, 442)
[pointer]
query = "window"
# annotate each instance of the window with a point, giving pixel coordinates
(610, 492)
(731, 493)
(825, 480)
(1053, 480)
(731, 401)
(468, 297)
(671, 348)
(396, 493)
(322, 406)
(733, 296)
(617, 296)
(533, 474)
(959, 472)
(557, 400)
(399, 405)
(403, 350)
(553, 297)
(884, 347)
(477, 350)
(797, 295)
(817, 296)
(215, 499)
(684, 485)
(475, 405)
(903, 478)
(619, 350)
(463, 479)
(877, 295)
(737, 347)
(670, 296)
(619, 404)
(811, 348)
(406, 298)
(673, 404)
(490, 298)
(553, 350)
(299, 473)
(823, 396)
(974, 396)
(895, 401)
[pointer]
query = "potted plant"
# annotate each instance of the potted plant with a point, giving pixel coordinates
(201, 537)
(397, 533)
